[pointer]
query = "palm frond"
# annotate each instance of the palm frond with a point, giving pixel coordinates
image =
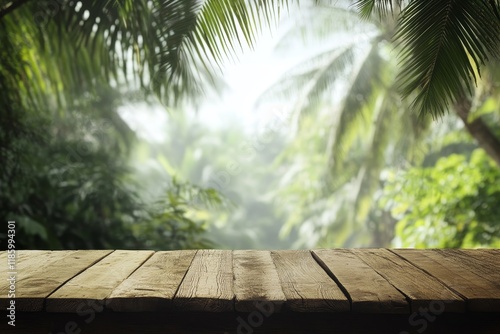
(444, 45)
(366, 8)
(375, 157)
(364, 78)
(169, 47)
(322, 24)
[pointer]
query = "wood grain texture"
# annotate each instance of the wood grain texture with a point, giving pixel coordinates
(307, 287)
(41, 273)
(256, 282)
(365, 281)
(482, 265)
(152, 287)
(368, 291)
(93, 285)
(3, 258)
(481, 295)
(490, 256)
(208, 284)
(423, 290)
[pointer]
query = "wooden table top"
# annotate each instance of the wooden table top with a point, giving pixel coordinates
(390, 281)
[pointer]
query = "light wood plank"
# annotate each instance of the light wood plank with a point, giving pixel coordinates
(41, 273)
(368, 291)
(35, 259)
(30, 260)
(3, 264)
(307, 287)
(96, 283)
(256, 282)
(481, 295)
(208, 284)
(423, 290)
(152, 287)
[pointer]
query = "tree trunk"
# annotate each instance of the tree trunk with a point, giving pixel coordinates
(485, 138)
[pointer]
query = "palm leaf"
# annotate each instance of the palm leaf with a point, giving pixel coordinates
(444, 45)
(366, 8)
(169, 47)
(363, 80)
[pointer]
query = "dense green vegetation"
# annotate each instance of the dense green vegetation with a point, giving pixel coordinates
(451, 204)
(395, 137)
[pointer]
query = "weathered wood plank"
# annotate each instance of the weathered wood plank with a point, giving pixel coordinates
(208, 284)
(41, 273)
(368, 291)
(26, 260)
(480, 265)
(488, 257)
(34, 259)
(97, 282)
(423, 290)
(152, 287)
(3, 264)
(481, 295)
(307, 287)
(256, 282)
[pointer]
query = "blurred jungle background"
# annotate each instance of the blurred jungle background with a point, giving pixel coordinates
(250, 125)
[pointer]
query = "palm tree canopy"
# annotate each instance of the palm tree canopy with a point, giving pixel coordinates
(98, 41)
(444, 44)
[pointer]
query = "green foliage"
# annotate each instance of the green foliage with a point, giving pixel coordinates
(167, 47)
(451, 204)
(347, 137)
(444, 45)
(174, 221)
(64, 148)
(235, 164)
(67, 183)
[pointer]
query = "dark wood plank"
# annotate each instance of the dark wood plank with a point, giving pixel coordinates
(97, 282)
(307, 287)
(368, 291)
(152, 287)
(481, 295)
(256, 282)
(424, 291)
(41, 273)
(208, 284)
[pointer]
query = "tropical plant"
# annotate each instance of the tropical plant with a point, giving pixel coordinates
(55, 52)
(67, 182)
(62, 47)
(445, 47)
(56, 58)
(450, 204)
(444, 42)
(237, 165)
(357, 132)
